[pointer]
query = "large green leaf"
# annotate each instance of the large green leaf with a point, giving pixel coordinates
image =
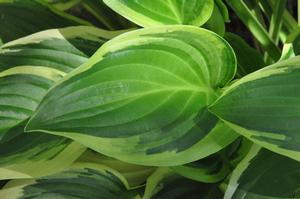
(165, 184)
(265, 175)
(142, 97)
(157, 12)
(81, 181)
(26, 155)
(264, 106)
(23, 17)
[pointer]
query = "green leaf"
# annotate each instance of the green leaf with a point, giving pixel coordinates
(81, 181)
(136, 175)
(19, 96)
(158, 82)
(30, 65)
(264, 106)
(209, 170)
(223, 9)
(27, 155)
(216, 22)
(248, 58)
(156, 12)
(23, 17)
(165, 184)
(103, 16)
(264, 175)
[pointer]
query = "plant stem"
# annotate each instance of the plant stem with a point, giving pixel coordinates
(255, 27)
(289, 23)
(298, 11)
(276, 20)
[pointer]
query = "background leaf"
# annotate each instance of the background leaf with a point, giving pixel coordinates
(82, 181)
(19, 18)
(25, 155)
(265, 175)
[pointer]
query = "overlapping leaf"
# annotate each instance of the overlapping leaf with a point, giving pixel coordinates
(25, 155)
(81, 181)
(165, 184)
(30, 65)
(211, 169)
(157, 12)
(142, 97)
(136, 175)
(264, 106)
(264, 175)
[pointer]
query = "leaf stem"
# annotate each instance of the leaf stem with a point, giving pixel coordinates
(255, 27)
(276, 20)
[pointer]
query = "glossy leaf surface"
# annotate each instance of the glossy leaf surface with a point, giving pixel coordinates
(157, 12)
(158, 91)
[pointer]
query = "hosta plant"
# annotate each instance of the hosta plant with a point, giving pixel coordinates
(160, 99)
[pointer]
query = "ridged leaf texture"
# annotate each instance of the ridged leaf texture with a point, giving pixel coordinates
(142, 97)
(148, 13)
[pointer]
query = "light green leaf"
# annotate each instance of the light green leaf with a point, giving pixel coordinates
(23, 17)
(26, 155)
(264, 175)
(165, 184)
(142, 97)
(223, 9)
(156, 12)
(136, 175)
(264, 106)
(81, 181)
(216, 22)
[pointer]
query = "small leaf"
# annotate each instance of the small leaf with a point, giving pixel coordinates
(216, 22)
(142, 97)
(156, 12)
(264, 106)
